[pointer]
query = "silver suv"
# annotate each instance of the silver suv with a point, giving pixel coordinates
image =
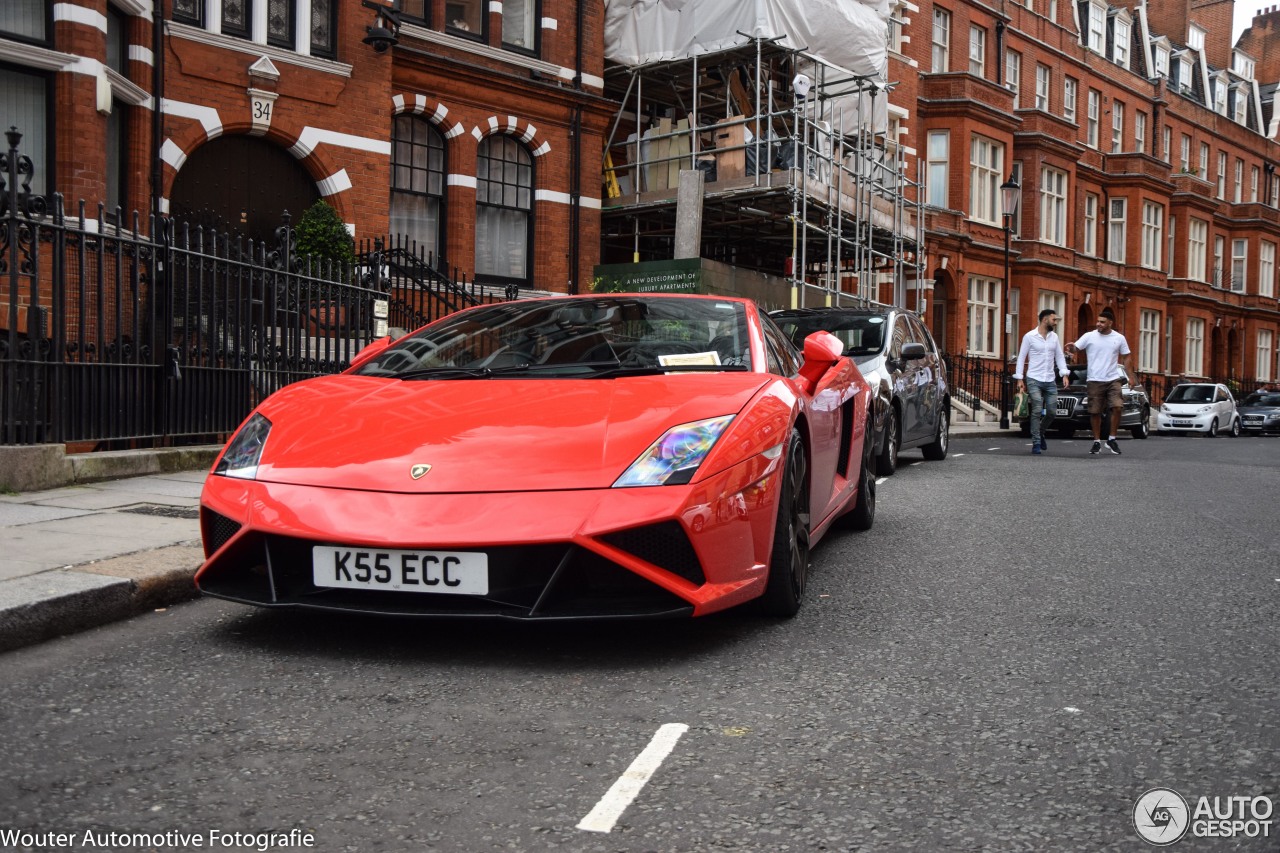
(899, 358)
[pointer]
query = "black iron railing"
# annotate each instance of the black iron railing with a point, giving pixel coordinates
(145, 332)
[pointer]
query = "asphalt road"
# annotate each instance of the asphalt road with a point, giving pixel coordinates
(1017, 651)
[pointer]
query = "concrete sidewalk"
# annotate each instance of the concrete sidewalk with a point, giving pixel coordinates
(83, 555)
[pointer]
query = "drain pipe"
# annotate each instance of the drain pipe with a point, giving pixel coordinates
(157, 98)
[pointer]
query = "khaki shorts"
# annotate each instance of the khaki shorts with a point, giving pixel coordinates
(1105, 395)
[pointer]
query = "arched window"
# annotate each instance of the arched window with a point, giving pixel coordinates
(504, 210)
(417, 182)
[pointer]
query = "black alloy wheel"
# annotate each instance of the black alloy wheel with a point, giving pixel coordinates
(888, 461)
(863, 514)
(936, 450)
(789, 559)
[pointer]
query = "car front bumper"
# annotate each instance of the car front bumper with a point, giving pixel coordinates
(594, 553)
(1191, 423)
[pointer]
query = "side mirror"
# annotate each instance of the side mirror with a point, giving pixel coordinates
(821, 350)
(913, 351)
(370, 350)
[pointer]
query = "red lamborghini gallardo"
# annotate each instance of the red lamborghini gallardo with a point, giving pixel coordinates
(622, 455)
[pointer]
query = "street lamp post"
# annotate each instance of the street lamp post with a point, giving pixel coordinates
(1010, 195)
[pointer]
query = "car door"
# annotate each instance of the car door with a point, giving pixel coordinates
(1222, 407)
(902, 373)
(927, 380)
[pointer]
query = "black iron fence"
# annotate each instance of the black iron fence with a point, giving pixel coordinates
(140, 332)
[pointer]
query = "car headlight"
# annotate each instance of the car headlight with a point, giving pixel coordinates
(1205, 409)
(240, 459)
(673, 459)
(1164, 408)
(1275, 417)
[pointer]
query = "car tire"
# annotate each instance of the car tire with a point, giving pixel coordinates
(1235, 428)
(789, 559)
(888, 461)
(863, 515)
(1143, 429)
(1213, 428)
(936, 450)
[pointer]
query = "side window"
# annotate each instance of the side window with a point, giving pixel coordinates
(920, 334)
(900, 337)
(783, 359)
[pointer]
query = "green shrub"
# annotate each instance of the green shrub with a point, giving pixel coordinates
(321, 234)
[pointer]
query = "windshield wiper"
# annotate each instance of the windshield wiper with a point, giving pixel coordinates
(656, 369)
(568, 367)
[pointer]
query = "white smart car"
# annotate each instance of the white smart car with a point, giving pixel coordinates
(1203, 407)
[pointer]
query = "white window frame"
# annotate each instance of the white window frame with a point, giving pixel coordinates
(1120, 42)
(1184, 153)
(1240, 111)
(1166, 144)
(1253, 184)
(1197, 246)
(1193, 353)
(984, 316)
(941, 40)
(1222, 175)
(1117, 218)
(1152, 234)
(1117, 127)
(1070, 90)
(1089, 245)
(1162, 60)
(1013, 74)
(1044, 80)
(1095, 110)
(1096, 33)
(1265, 344)
(1203, 169)
(938, 168)
(1239, 264)
(1053, 206)
(1266, 268)
(1195, 37)
(1238, 196)
(1054, 300)
(1149, 340)
(1139, 131)
(977, 51)
(986, 165)
(1219, 248)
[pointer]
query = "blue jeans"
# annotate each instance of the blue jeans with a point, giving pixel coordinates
(1044, 398)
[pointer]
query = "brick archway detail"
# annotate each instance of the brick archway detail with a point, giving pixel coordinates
(511, 126)
(434, 111)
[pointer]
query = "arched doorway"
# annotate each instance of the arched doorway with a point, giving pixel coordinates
(241, 184)
(942, 295)
(1216, 357)
(1084, 321)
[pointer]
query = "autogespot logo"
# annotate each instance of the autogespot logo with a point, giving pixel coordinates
(1161, 816)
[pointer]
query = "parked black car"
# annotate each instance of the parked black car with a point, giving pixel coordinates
(899, 358)
(1260, 412)
(1073, 409)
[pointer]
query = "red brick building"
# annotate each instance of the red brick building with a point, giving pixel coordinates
(481, 127)
(1145, 149)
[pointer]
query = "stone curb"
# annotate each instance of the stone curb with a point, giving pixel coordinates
(50, 604)
(39, 467)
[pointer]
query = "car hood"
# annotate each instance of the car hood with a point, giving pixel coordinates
(1186, 408)
(482, 435)
(1258, 410)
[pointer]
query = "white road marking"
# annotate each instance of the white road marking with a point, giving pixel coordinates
(1071, 710)
(956, 455)
(914, 464)
(880, 480)
(615, 801)
(993, 448)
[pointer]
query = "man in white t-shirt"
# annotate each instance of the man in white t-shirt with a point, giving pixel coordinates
(1107, 351)
(1040, 363)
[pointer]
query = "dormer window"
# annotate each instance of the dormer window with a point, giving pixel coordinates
(1195, 38)
(1184, 73)
(1220, 94)
(1162, 60)
(1120, 40)
(1242, 65)
(1240, 103)
(1097, 34)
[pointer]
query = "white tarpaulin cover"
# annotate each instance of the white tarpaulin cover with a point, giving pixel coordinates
(849, 34)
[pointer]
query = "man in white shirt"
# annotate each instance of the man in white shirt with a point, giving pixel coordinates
(1106, 350)
(1041, 353)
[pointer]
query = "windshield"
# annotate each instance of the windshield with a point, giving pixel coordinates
(861, 334)
(1263, 398)
(1191, 394)
(600, 336)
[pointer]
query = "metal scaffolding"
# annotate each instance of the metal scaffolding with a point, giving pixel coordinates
(797, 182)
